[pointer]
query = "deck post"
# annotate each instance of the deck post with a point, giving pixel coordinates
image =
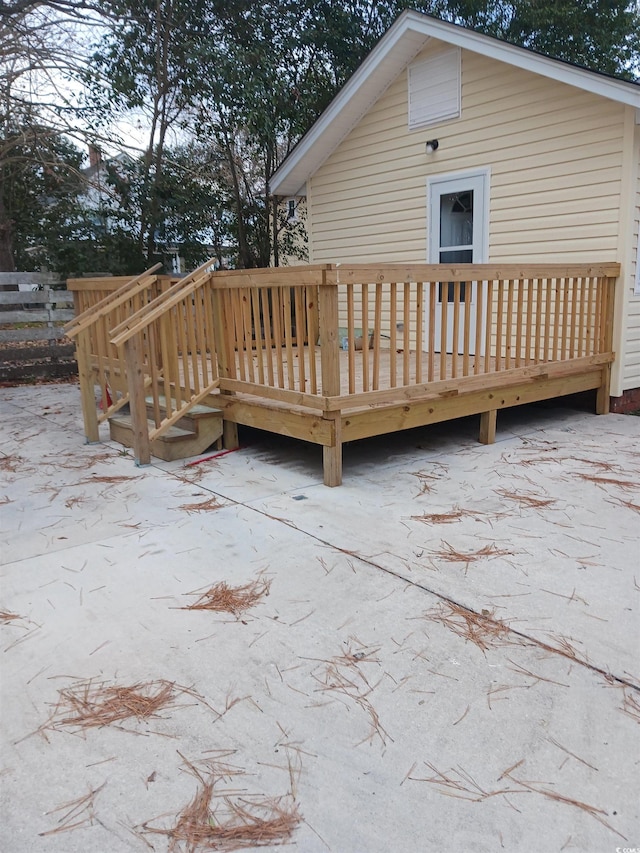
(229, 428)
(330, 377)
(137, 403)
(332, 454)
(87, 394)
(488, 427)
(608, 302)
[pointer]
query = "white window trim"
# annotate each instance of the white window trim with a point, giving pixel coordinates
(485, 174)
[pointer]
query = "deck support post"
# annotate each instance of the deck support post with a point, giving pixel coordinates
(229, 428)
(87, 394)
(330, 371)
(230, 435)
(332, 454)
(603, 394)
(488, 427)
(137, 403)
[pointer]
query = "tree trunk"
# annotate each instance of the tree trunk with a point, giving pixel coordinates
(7, 263)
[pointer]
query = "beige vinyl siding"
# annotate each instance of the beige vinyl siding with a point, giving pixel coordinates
(555, 155)
(631, 366)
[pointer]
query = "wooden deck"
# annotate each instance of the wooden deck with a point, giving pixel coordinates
(282, 349)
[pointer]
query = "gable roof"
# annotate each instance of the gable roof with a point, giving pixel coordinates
(395, 50)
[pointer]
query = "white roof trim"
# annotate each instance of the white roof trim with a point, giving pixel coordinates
(395, 50)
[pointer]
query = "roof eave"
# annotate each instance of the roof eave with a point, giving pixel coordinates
(383, 65)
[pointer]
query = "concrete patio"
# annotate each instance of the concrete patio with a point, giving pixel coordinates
(447, 657)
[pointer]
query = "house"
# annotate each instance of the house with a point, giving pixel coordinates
(449, 146)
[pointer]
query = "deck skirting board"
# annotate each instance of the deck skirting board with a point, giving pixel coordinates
(435, 410)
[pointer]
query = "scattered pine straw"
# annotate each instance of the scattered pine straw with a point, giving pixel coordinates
(231, 599)
(6, 617)
(458, 781)
(73, 462)
(525, 499)
(455, 514)
(483, 629)
(342, 674)
(95, 478)
(569, 801)
(630, 505)
(82, 808)
(235, 823)
(460, 784)
(608, 481)
(451, 555)
(5, 500)
(11, 464)
(89, 704)
(631, 705)
(203, 506)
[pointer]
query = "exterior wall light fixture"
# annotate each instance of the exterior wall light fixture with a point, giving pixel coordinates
(432, 145)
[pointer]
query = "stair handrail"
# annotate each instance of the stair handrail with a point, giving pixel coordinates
(162, 302)
(112, 300)
(131, 334)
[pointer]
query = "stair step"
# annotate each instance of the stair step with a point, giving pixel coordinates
(174, 433)
(190, 437)
(196, 411)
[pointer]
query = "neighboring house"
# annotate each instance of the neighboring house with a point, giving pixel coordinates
(291, 232)
(451, 146)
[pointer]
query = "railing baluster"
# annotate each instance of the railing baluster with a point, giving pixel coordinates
(433, 294)
(444, 306)
(455, 344)
(546, 356)
(537, 338)
(351, 338)
(393, 334)
(277, 333)
(258, 333)
(499, 322)
(311, 306)
(419, 321)
(266, 316)
(300, 338)
(488, 327)
(365, 337)
(377, 334)
(479, 317)
(406, 327)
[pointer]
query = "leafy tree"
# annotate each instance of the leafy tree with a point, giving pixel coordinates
(41, 187)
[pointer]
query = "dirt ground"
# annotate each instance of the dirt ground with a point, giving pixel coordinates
(439, 655)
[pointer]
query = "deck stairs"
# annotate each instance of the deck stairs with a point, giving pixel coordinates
(192, 435)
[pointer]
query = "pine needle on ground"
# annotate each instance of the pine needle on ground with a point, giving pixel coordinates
(483, 629)
(90, 704)
(202, 506)
(6, 617)
(451, 555)
(231, 599)
(525, 499)
(235, 823)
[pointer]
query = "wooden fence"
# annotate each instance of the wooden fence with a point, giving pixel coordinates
(32, 338)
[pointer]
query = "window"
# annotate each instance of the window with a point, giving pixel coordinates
(434, 89)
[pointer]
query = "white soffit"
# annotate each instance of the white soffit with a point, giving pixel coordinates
(389, 58)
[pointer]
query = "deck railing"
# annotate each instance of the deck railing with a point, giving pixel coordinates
(100, 305)
(339, 338)
(169, 350)
(361, 328)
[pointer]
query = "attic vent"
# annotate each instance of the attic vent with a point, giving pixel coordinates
(434, 89)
